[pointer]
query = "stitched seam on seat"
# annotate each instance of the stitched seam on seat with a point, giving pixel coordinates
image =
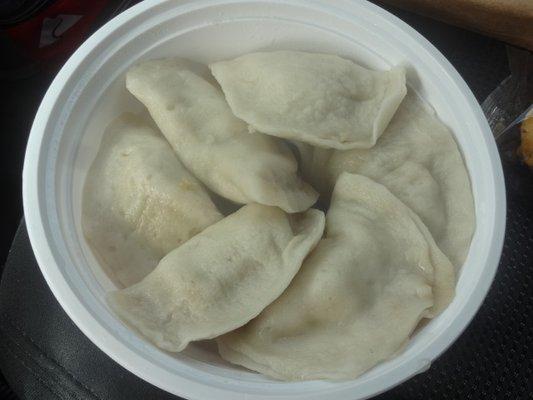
(35, 374)
(44, 369)
(49, 358)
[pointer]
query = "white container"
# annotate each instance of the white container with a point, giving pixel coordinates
(89, 91)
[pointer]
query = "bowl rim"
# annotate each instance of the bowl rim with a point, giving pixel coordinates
(123, 355)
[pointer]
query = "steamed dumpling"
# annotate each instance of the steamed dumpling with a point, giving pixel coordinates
(418, 160)
(357, 297)
(320, 99)
(139, 201)
(212, 143)
(221, 278)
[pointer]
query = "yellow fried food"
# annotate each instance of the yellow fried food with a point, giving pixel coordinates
(526, 133)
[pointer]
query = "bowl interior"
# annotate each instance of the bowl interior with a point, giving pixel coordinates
(94, 93)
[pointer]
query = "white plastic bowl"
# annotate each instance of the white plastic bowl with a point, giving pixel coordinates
(89, 91)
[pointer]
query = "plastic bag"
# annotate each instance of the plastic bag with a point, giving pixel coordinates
(509, 111)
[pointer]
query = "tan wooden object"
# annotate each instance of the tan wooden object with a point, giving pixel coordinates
(508, 20)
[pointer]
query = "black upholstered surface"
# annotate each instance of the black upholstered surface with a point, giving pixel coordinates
(44, 356)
